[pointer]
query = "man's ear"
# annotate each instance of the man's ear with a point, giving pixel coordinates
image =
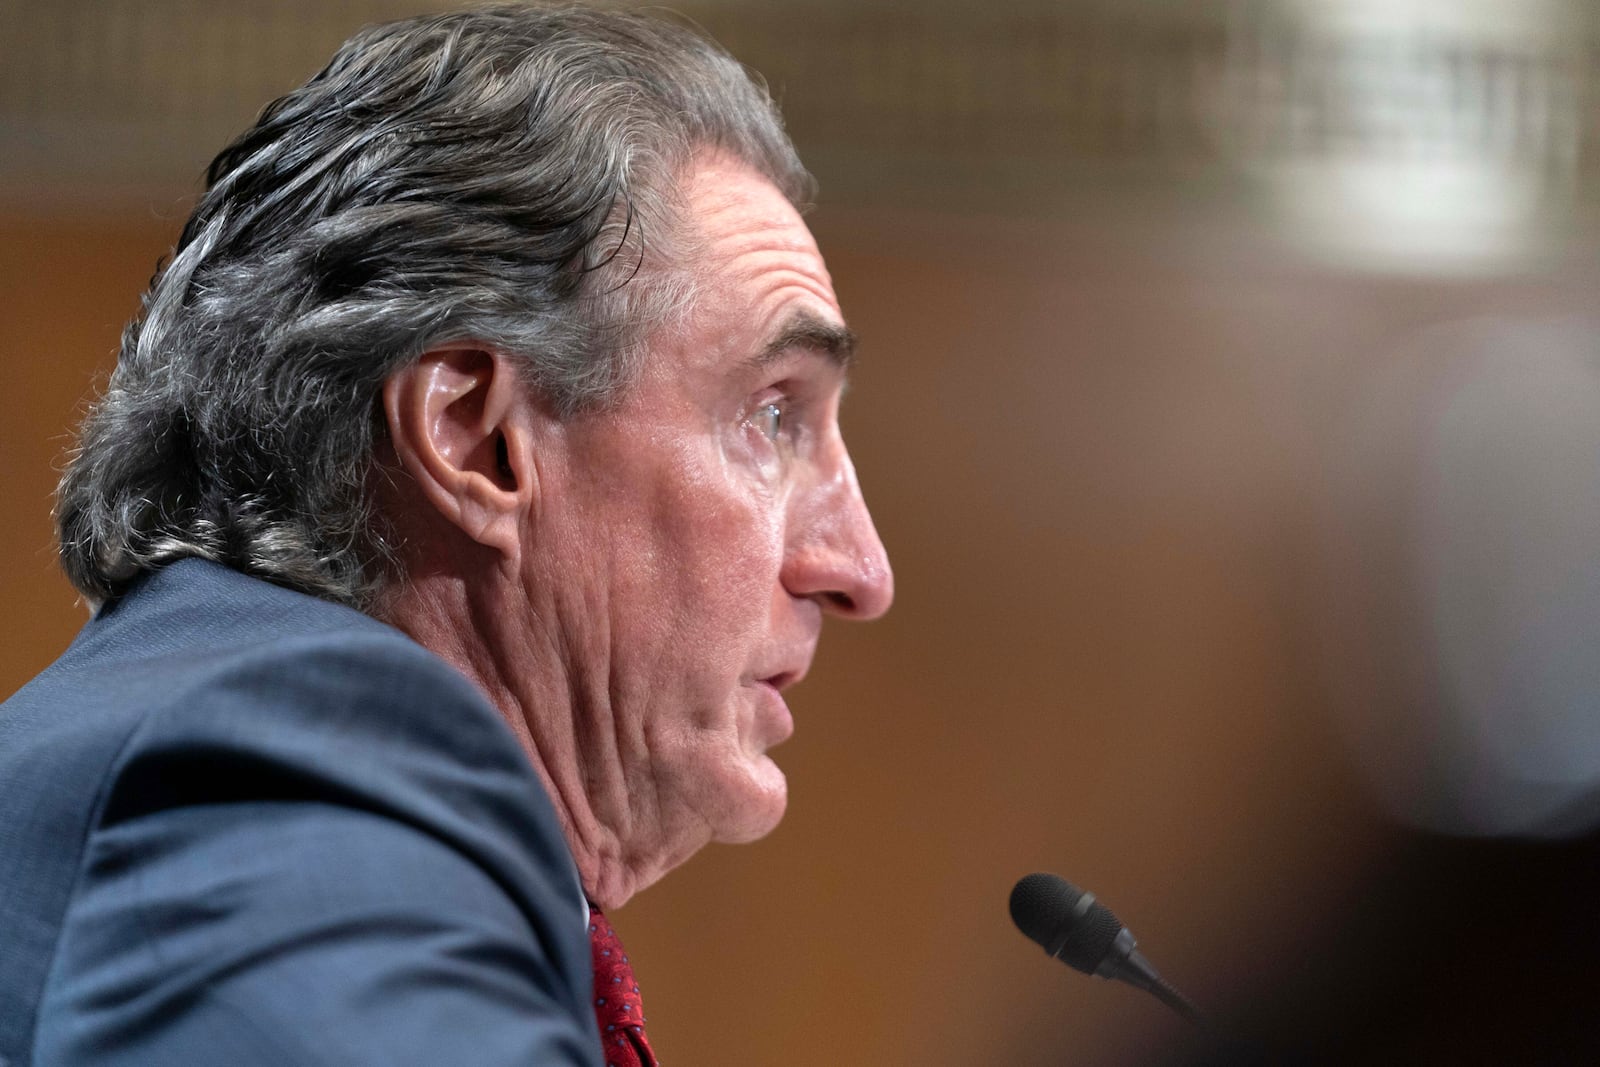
(459, 423)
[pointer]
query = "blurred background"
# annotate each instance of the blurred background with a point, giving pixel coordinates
(1230, 405)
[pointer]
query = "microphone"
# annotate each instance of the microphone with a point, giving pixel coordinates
(1081, 932)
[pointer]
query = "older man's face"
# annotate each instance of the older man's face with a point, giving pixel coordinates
(704, 528)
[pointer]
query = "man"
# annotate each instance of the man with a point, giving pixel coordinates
(463, 503)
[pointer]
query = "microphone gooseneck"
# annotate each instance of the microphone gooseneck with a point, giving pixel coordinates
(1075, 928)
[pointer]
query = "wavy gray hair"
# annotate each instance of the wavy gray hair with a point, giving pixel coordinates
(503, 175)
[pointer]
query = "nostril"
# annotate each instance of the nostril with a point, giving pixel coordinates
(841, 602)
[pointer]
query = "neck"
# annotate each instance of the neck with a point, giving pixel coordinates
(491, 632)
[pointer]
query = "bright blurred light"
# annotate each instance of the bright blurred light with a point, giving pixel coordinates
(1448, 131)
(1429, 217)
(1475, 486)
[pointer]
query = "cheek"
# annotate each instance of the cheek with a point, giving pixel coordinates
(702, 560)
(724, 565)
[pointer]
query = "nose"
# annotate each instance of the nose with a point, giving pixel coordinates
(834, 555)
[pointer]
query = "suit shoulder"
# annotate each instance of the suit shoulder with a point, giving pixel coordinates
(207, 699)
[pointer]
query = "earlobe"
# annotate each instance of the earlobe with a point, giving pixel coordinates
(458, 421)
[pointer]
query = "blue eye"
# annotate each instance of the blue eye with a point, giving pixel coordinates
(768, 418)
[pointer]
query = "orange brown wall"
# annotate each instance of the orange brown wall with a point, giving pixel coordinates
(1092, 466)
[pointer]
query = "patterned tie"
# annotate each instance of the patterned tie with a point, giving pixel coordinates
(617, 1007)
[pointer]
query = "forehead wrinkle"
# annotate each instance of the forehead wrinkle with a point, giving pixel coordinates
(806, 331)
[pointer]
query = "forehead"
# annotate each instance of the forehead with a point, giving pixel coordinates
(757, 293)
(746, 233)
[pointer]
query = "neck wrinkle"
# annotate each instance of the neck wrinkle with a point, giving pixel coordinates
(522, 673)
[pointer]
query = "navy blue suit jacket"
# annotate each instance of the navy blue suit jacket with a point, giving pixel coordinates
(239, 825)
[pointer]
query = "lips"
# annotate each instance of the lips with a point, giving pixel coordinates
(787, 668)
(774, 723)
(783, 679)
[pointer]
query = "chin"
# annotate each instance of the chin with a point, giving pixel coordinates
(758, 806)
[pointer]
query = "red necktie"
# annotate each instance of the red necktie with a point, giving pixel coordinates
(617, 1007)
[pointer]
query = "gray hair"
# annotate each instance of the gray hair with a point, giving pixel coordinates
(505, 176)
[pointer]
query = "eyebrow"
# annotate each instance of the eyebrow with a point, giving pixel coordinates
(806, 331)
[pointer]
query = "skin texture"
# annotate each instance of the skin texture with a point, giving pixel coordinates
(635, 588)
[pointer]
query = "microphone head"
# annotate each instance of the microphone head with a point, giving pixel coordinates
(1064, 920)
